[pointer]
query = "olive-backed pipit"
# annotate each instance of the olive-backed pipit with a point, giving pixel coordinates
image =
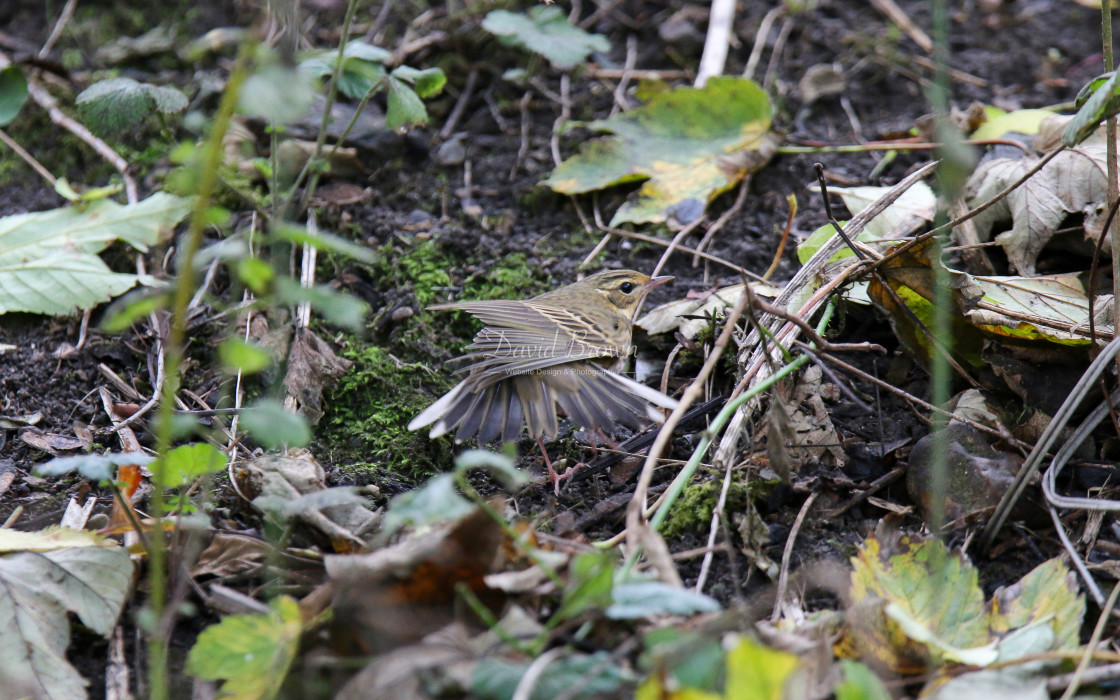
(560, 348)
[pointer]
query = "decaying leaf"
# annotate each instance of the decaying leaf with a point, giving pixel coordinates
(401, 593)
(907, 215)
(1072, 183)
(913, 281)
(691, 315)
(295, 487)
(54, 573)
(916, 606)
(808, 434)
(1054, 308)
(686, 146)
(311, 364)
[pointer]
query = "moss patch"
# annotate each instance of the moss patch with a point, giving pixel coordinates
(371, 406)
(693, 510)
(366, 424)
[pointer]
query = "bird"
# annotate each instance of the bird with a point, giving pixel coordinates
(562, 348)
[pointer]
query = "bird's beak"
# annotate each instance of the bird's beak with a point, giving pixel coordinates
(658, 281)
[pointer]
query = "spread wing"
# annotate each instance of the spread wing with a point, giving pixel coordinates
(523, 336)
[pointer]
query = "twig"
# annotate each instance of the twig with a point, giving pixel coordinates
(674, 243)
(636, 526)
(460, 105)
(896, 15)
(787, 555)
(528, 682)
(565, 114)
(684, 249)
(526, 122)
(760, 38)
(714, 57)
(56, 32)
(1094, 640)
(779, 46)
(717, 513)
(28, 158)
(47, 101)
(153, 401)
(620, 101)
(873, 488)
(716, 227)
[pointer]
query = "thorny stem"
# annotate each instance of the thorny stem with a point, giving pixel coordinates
(184, 288)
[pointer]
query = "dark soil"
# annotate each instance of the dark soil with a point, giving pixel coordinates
(1024, 54)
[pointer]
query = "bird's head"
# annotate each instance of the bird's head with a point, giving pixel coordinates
(622, 290)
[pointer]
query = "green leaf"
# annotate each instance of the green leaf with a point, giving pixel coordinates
(240, 356)
(251, 653)
(128, 309)
(93, 467)
(546, 32)
(341, 309)
(589, 586)
(1021, 121)
(692, 659)
(362, 69)
(272, 426)
(184, 464)
(860, 683)
(48, 261)
(437, 501)
(498, 464)
(322, 240)
(39, 587)
(633, 600)
(1052, 308)
(688, 145)
(63, 187)
(255, 273)
(934, 588)
(277, 94)
(1097, 101)
(757, 671)
(427, 83)
(13, 93)
(1049, 591)
(111, 106)
(754, 671)
(594, 675)
(405, 108)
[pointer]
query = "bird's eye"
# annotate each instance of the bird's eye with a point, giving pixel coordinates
(626, 287)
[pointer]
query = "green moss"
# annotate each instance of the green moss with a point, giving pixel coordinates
(370, 407)
(509, 278)
(366, 424)
(693, 510)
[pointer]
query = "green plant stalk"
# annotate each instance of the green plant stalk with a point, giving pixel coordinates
(941, 374)
(332, 95)
(1110, 158)
(721, 420)
(184, 288)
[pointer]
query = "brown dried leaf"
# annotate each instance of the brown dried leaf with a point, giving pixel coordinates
(311, 363)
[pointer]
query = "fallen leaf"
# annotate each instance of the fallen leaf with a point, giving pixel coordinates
(678, 146)
(311, 364)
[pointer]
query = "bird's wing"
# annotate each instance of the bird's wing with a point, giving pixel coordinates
(523, 336)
